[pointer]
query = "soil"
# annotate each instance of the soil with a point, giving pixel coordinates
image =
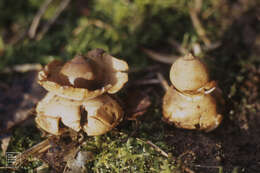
(235, 144)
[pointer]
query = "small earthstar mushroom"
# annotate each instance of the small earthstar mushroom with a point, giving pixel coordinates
(188, 103)
(75, 97)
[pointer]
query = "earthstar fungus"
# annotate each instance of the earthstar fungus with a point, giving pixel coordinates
(188, 103)
(77, 94)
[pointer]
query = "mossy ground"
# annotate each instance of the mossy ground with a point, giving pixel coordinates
(123, 28)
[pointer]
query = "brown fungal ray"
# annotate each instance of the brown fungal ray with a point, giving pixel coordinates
(115, 69)
(109, 75)
(103, 114)
(66, 110)
(49, 124)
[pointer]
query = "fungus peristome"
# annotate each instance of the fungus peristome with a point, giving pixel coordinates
(82, 72)
(188, 73)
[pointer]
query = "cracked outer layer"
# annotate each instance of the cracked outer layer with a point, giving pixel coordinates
(193, 112)
(95, 116)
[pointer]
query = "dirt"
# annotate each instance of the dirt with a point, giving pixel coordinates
(18, 97)
(235, 145)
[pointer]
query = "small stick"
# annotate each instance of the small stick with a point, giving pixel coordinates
(188, 170)
(149, 143)
(38, 148)
(206, 166)
(198, 26)
(61, 8)
(185, 153)
(167, 59)
(146, 82)
(178, 47)
(163, 82)
(13, 169)
(37, 18)
(97, 23)
(22, 68)
(155, 147)
(198, 5)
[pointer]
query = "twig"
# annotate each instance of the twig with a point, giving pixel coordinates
(147, 142)
(146, 82)
(198, 26)
(168, 59)
(11, 168)
(60, 9)
(178, 47)
(37, 18)
(188, 170)
(96, 22)
(155, 147)
(198, 5)
(22, 68)
(163, 82)
(38, 148)
(206, 166)
(185, 153)
(211, 46)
